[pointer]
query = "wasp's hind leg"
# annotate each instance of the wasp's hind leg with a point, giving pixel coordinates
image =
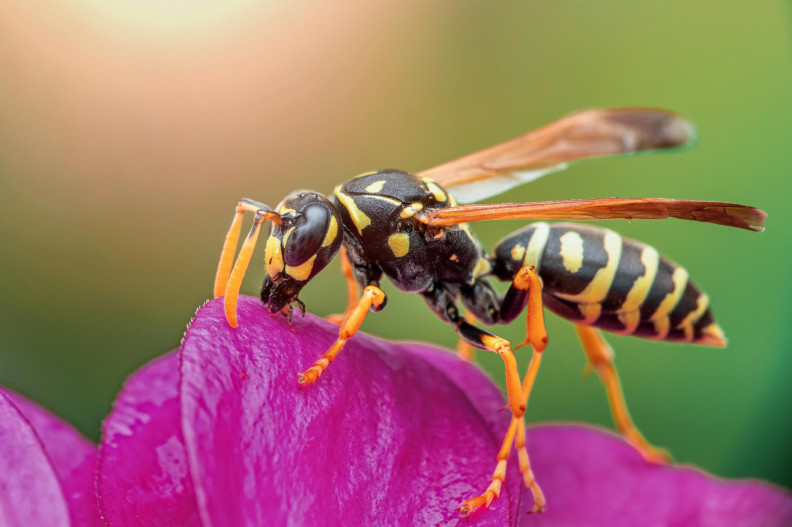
(353, 291)
(600, 356)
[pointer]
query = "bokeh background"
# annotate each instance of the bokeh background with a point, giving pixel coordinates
(129, 129)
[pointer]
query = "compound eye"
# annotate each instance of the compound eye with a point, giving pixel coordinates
(306, 238)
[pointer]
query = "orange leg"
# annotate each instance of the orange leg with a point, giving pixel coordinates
(353, 293)
(372, 296)
(600, 356)
(535, 332)
(516, 433)
(466, 351)
(537, 337)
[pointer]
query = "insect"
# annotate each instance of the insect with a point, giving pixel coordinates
(410, 228)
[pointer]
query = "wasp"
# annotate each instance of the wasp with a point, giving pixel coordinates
(412, 229)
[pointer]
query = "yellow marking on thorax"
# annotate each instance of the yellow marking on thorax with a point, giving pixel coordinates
(332, 232)
(273, 257)
(399, 243)
(629, 313)
(702, 303)
(536, 245)
(518, 252)
(435, 189)
(662, 323)
(596, 291)
(392, 201)
(572, 251)
(359, 218)
(411, 210)
(376, 186)
(303, 271)
(454, 257)
(364, 174)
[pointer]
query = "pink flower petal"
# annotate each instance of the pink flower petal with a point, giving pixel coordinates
(383, 438)
(593, 478)
(30, 493)
(72, 456)
(143, 474)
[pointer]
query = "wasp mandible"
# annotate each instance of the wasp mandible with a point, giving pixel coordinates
(409, 228)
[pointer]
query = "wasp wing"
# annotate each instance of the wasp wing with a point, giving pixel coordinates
(589, 133)
(729, 214)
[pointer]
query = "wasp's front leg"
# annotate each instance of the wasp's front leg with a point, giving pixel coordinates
(373, 297)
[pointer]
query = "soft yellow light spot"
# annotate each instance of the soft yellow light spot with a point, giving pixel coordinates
(359, 218)
(376, 186)
(572, 251)
(303, 271)
(399, 243)
(332, 232)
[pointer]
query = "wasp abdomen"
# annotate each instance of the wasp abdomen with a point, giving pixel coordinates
(593, 276)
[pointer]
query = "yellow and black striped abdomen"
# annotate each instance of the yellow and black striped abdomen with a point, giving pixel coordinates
(593, 276)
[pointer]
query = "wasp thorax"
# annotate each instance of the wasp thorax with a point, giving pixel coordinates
(306, 241)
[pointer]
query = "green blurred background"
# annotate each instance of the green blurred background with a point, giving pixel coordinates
(130, 129)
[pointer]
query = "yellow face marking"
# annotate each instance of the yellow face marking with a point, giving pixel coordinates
(282, 210)
(411, 210)
(482, 267)
(273, 257)
(303, 271)
(399, 243)
(332, 232)
(660, 318)
(435, 189)
(518, 252)
(596, 291)
(536, 246)
(376, 186)
(629, 313)
(702, 303)
(359, 218)
(572, 251)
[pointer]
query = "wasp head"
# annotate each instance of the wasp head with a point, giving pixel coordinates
(305, 242)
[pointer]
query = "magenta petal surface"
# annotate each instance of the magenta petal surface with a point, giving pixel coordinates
(143, 474)
(72, 456)
(593, 478)
(30, 493)
(385, 437)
